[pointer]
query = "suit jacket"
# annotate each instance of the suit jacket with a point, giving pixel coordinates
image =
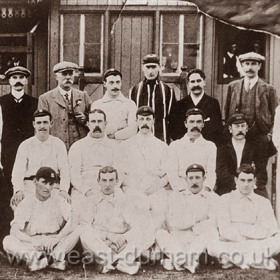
(265, 103)
(53, 102)
(213, 126)
(227, 164)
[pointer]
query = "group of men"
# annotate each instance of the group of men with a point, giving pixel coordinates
(139, 175)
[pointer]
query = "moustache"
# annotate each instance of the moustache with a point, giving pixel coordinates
(18, 84)
(250, 71)
(69, 81)
(144, 126)
(97, 129)
(196, 87)
(115, 89)
(240, 133)
(42, 129)
(195, 186)
(195, 129)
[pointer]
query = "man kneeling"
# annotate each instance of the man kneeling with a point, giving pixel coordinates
(42, 226)
(119, 226)
(190, 223)
(249, 235)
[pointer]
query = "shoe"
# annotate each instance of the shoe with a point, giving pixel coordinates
(129, 268)
(107, 268)
(60, 265)
(167, 264)
(192, 268)
(38, 264)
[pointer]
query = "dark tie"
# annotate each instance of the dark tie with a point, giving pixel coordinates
(67, 97)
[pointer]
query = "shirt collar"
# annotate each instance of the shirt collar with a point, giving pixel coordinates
(17, 94)
(252, 81)
(196, 98)
(63, 92)
(240, 196)
(96, 140)
(187, 138)
(47, 142)
(107, 98)
(236, 143)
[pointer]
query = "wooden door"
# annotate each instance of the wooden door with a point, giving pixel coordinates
(131, 39)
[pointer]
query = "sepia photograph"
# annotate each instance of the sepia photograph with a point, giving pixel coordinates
(139, 139)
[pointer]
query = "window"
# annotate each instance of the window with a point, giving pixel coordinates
(180, 42)
(82, 41)
(233, 42)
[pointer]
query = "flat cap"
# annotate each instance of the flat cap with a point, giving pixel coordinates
(194, 168)
(41, 113)
(64, 66)
(17, 70)
(195, 111)
(251, 56)
(151, 58)
(46, 173)
(145, 111)
(236, 119)
(111, 72)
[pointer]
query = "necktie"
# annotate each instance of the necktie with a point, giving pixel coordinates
(67, 97)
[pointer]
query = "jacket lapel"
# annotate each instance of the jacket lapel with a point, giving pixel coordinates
(246, 152)
(75, 97)
(58, 98)
(236, 95)
(231, 152)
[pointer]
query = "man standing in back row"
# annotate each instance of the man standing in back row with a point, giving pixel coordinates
(156, 94)
(67, 105)
(255, 99)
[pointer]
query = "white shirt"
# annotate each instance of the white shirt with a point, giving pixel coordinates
(42, 217)
(142, 159)
(238, 147)
(120, 115)
(33, 154)
(251, 81)
(86, 157)
(182, 153)
(18, 94)
(196, 98)
(63, 92)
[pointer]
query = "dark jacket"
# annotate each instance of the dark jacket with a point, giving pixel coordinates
(227, 164)
(161, 99)
(213, 126)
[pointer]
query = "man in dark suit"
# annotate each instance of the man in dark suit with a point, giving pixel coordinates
(67, 105)
(255, 99)
(236, 152)
(213, 127)
(16, 115)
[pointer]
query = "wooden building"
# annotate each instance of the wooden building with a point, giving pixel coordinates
(100, 34)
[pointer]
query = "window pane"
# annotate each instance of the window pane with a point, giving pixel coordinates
(71, 37)
(170, 32)
(191, 56)
(191, 28)
(92, 58)
(93, 28)
(169, 58)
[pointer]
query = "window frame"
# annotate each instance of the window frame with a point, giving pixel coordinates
(181, 42)
(82, 27)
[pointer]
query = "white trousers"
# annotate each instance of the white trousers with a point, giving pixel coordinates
(135, 246)
(247, 252)
(184, 247)
(26, 251)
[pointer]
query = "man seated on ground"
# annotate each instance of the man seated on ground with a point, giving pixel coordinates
(117, 226)
(42, 226)
(189, 223)
(249, 235)
(141, 159)
(238, 151)
(40, 150)
(192, 148)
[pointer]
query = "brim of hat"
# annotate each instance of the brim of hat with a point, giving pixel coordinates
(150, 63)
(250, 59)
(146, 114)
(18, 73)
(238, 122)
(64, 70)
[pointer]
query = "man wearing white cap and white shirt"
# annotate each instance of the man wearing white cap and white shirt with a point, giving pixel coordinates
(255, 99)
(67, 105)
